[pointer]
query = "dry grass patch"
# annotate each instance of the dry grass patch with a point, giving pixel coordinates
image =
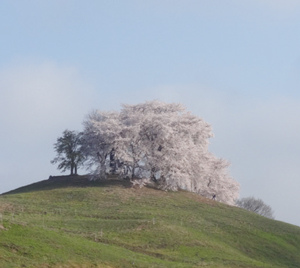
(2, 228)
(6, 207)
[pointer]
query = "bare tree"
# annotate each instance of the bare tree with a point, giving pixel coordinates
(256, 206)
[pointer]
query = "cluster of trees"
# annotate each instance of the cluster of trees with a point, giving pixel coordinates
(151, 142)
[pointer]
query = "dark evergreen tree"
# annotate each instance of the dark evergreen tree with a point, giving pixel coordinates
(69, 153)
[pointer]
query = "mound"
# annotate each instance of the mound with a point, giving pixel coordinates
(74, 222)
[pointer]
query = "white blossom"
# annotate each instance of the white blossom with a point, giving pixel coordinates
(160, 142)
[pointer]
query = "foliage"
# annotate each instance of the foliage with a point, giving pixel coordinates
(256, 206)
(68, 149)
(158, 141)
(74, 222)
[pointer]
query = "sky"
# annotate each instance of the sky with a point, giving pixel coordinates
(234, 63)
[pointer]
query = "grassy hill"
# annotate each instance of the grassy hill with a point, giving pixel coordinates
(71, 222)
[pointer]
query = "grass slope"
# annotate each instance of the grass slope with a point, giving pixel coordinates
(71, 222)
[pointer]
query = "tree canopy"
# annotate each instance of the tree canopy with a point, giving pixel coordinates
(157, 142)
(69, 153)
(256, 205)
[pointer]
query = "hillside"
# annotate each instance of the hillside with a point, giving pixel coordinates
(72, 222)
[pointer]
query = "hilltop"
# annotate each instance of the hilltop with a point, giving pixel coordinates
(72, 222)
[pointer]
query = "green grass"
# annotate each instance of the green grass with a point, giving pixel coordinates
(71, 222)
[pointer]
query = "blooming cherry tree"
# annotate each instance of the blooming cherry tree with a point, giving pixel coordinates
(160, 142)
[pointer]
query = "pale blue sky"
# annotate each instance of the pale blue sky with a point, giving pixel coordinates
(235, 63)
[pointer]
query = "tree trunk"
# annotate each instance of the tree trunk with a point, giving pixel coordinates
(75, 169)
(152, 175)
(72, 168)
(132, 174)
(102, 173)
